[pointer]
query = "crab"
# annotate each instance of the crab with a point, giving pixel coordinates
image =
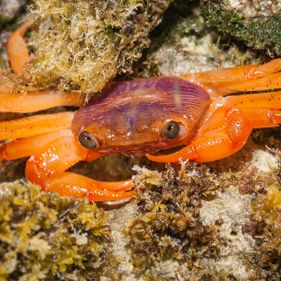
(205, 114)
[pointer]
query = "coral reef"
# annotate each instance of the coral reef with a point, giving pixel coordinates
(247, 22)
(46, 237)
(81, 45)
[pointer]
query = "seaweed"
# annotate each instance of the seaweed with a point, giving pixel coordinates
(196, 222)
(259, 31)
(267, 213)
(47, 237)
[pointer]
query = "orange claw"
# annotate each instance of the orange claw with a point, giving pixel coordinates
(226, 131)
(71, 184)
(187, 153)
(25, 147)
(47, 168)
(54, 158)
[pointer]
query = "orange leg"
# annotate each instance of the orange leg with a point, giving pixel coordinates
(71, 184)
(35, 125)
(269, 82)
(243, 78)
(271, 100)
(34, 101)
(235, 73)
(17, 49)
(47, 167)
(22, 148)
(11, 100)
(31, 100)
(224, 133)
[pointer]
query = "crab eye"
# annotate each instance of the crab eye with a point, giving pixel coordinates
(88, 140)
(171, 130)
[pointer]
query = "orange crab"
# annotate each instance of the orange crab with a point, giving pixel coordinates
(135, 117)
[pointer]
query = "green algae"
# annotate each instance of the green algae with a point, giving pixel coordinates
(261, 32)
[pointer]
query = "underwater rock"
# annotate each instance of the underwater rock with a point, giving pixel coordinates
(82, 45)
(9, 9)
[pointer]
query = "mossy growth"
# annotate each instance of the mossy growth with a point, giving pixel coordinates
(168, 224)
(262, 32)
(80, 45)
(47, 237)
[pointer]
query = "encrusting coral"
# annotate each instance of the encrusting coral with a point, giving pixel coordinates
(47, 237)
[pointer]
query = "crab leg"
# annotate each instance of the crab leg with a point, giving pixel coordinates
(17, 49)
(35, 125)
(271, 100)
(239, 73)
(270, 82)
(48, 165)
(25, 147)
(11, 100)
(35, 101)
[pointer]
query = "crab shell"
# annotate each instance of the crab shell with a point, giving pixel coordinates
(129, 117)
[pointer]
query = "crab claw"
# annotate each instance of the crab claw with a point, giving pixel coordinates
(186, 153)
(47, 168)
(75, 185)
